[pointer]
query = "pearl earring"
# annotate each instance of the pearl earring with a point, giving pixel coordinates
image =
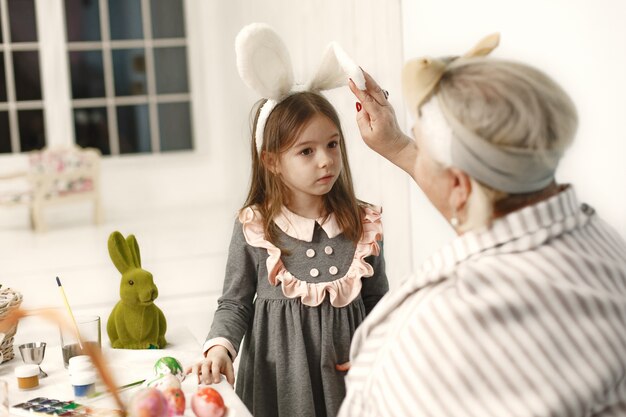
(454, 221)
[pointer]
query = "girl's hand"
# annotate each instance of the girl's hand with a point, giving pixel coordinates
(216, 363)
(379, 126)
(343, 367)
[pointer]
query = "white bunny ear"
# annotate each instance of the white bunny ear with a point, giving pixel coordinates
(335, 69)
(263, 61)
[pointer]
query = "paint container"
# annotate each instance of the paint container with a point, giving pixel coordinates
(27, 376)
(84, 383)
(81, 363)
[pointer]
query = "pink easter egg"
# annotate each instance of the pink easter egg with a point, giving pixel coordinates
(148, 402)
(176, 400)
(207, 402)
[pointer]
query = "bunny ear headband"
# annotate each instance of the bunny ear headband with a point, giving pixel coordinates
(265, 66)
(505, 168)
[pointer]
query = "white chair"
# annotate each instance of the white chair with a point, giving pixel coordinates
(55, 176)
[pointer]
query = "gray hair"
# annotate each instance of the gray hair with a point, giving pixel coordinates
(507, 104)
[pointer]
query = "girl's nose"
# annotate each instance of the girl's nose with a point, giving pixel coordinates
(325, 159)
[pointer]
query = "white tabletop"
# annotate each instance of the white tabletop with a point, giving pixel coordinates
(126, 365)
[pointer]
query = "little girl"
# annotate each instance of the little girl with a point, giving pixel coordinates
(304, 267)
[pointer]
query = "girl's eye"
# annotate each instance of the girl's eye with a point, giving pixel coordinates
(333, 144)
(131, 282)
(307, 151)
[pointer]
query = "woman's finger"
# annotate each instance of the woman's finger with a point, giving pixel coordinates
(360, 94)
(374, 90)
(367, 102)
(370, 83)
(363, 121)
(372, 108)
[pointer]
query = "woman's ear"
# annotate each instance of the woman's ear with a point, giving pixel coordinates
(461, 189)
(270, 161)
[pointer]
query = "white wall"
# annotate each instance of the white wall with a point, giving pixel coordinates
(579, 43)
(217, 172)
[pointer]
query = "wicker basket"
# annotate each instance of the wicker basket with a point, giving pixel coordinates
(9, 300)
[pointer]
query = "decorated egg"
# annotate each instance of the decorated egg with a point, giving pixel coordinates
(148, 402)
(207, 402)
(161, 382)
(169, 365)
(175, 400)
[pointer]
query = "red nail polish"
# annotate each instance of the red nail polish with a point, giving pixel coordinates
(358, 106)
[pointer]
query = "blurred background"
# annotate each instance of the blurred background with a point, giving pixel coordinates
(153, 85)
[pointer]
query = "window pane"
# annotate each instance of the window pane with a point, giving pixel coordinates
(22, 21)
(134, 129)
(91, 129)
(87, 74)
(5, 135)
(3, 82)
(82, 20)
(167, 19)
(175, 126)
(170, 65)
(27, 78)
(129, 72)
(125, 19)
(32, 130)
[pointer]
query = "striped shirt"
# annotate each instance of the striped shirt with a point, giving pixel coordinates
(526, 318)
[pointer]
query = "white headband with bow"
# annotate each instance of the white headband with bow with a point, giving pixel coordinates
(265, 66)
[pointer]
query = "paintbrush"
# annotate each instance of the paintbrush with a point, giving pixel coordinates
(69, 310)
(117, 389)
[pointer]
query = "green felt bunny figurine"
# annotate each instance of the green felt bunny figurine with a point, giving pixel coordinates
(135, 322)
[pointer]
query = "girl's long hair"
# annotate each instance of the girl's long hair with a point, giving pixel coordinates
(267, 191)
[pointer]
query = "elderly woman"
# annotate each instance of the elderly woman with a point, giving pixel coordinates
(524, 313)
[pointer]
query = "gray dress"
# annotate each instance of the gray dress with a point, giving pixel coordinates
(290, 349)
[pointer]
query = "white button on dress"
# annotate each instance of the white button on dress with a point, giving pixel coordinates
(310, 253)
(328, 250)
(314, 272)
(333, 270)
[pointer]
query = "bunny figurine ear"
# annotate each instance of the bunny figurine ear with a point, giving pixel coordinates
(263, 61)
(131, 241)
(335, 69)
(120, 253)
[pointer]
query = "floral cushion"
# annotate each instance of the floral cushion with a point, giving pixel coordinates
(56, 162)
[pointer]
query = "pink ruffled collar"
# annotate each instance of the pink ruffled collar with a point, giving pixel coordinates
(341, 291)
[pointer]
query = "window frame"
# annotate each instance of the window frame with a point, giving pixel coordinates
(56, 103)
(12, 105)
(152, 99)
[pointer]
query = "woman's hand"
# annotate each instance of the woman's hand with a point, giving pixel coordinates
(379, 126)
(216, 363)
